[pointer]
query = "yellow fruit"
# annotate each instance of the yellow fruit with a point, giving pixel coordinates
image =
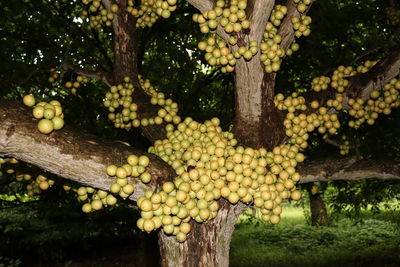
(58, 123)
(86, 208)
(38, 112)
(29, 100)
(45, 126)
(97, 204)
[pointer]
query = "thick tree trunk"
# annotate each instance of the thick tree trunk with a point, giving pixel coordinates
(319, 215)
(258, 122)
(207, 244)
(125, 46)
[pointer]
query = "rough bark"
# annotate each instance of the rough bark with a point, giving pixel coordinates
(207, 244)
(125, 57)
(258, 122)
(349, 168)
(387, 68)
(319, 215)
(69, 153)
(362, 84)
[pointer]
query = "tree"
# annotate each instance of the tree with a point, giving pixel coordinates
(264, 120)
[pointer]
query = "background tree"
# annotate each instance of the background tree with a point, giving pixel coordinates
(259, 112)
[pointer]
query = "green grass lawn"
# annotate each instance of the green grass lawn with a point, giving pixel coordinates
(374, 240)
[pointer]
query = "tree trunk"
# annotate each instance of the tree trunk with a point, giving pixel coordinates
(258, 123)
(125, 46)
(319, 215)
(207, 244)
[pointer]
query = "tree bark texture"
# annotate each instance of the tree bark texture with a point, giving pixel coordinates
(79, 157)
(319, 214)
(207, 244)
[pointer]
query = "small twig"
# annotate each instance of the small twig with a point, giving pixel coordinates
(102, 75)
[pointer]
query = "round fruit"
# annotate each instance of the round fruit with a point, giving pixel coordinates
(29, 100)
(45, 126)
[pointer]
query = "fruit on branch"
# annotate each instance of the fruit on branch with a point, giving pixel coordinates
(29, 100)
(97, 14)
(94, 200)
(54, 75)
(218, 54)
(345, 147)
(300, 120)
(320, 83)
(123, 110)
(73, 86)
(302, 5)
(301, 24)
(148, 11)
(210, 165)
(368, 111)
(135, 168)
(271, 52)
(17, 170)
(50, 114)
(232, 17)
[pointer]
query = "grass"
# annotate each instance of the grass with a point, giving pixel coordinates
(374, 240)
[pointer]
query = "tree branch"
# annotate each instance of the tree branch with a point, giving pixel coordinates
(362, 84)
(387, 68)
(286, 30)
(201, 5)
(349, 168)
(259, 15)
(98, 74)
(79, 157)
(204, 5)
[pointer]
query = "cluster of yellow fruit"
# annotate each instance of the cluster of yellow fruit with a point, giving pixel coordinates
(324, 119)
(73, 86)
(97, 13)
(368, 111)
(277, 15)
(301, 24)
(394, 15)
(233, 19)
(150, 10)
(298, 125)
(95, 199)
(41, 183)
(302, 5)
(123, 111)
(338, 80)
(50, 114)
(320, 83)
(291, 103)
(366, 66)
(334, 103)
(211, 166)
(271, 52)
(54, 75)
(218, 54)
(8, 169)
(135, 168)
(345, 147)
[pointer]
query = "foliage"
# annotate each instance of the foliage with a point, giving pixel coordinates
(374, 240)
(48, 232)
